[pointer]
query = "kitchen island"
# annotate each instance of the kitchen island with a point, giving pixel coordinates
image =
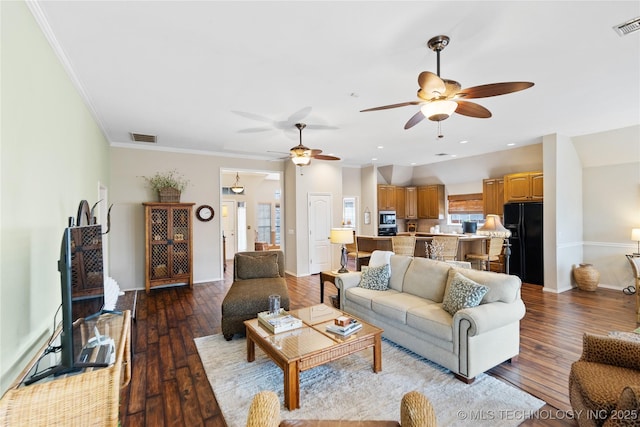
(467, 243)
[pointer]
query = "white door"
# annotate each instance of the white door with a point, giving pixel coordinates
(229, 226)
(319, 229)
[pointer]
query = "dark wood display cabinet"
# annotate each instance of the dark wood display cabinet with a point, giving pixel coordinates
(168, 240)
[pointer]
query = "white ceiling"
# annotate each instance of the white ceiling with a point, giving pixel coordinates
(233, 77)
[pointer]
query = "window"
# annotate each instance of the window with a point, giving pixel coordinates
(349, 212)
(264, 223)
(277, 242)
(465, 207)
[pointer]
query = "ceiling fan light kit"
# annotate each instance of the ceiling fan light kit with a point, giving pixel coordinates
(301, 155)
(439, 98)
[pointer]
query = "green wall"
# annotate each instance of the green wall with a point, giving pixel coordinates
(52, 155)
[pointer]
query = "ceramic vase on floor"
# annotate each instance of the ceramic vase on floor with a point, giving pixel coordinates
(587, 277)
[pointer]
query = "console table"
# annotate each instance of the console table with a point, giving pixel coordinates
(89, 397)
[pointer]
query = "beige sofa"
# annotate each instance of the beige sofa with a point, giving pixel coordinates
(468, 343)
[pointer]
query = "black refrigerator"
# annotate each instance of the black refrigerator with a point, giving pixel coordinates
(524, 220)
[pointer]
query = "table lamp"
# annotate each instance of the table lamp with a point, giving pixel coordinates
(635, 235)
(342, 236)
(493, 227)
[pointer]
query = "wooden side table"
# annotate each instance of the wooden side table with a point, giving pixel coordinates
(328, 276)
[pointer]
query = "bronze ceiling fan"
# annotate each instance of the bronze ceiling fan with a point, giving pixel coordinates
(439, 98)
(301, 155)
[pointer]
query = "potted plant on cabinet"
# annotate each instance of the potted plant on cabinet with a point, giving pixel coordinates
(169, 185)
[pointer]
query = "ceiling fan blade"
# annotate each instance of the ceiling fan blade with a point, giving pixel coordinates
(471, 109)
(493, 89)
(431, 86)
(325, 157)
(417, 118)
(254, 130)
(314, 152)
(452, 88)
(253, 116)
(298, 115)
(386, 107)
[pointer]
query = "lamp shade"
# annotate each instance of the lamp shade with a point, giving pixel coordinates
(493, 227)
(341, 235)
(635, 234)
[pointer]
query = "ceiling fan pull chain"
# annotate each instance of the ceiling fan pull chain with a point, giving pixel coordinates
(440, 135)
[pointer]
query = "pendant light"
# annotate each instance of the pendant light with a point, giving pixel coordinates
(237, 187)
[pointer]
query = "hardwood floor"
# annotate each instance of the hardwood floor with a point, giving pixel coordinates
(169, 386)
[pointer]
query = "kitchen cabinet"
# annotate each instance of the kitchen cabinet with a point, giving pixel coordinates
(386, 197)
(400, 202)
(493, 196)
(431, 202)
(168, 240)
(524, 187)
(411, 202)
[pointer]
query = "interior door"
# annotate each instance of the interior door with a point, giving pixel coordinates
(319, 230)
(229, 227)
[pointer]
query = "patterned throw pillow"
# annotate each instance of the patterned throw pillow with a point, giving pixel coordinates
(462, 293)
(376, 278)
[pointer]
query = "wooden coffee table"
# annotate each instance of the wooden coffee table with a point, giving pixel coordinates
(310, 346)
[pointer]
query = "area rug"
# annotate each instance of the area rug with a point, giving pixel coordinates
(348, 389)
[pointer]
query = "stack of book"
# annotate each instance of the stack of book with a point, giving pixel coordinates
(344, 328)
(279, 322)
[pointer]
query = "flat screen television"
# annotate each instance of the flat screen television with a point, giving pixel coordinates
(68, 362)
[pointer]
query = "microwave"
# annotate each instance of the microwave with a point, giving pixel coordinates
(387, 218)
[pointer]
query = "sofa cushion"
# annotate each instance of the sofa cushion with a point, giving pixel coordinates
(399, 265)
(426, 278)
(431, 319)
(256, 267)
(462, 292)
(379, 258)
(363, 297)
(376, 278)
(502, 287)
(395, 306)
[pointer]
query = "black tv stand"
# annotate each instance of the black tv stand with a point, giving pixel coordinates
(62, 370)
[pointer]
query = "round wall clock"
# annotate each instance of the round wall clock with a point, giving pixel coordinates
(205, 213)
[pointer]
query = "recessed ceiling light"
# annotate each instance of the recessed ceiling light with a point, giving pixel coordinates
(413, 163)
(511, 144)
(374, 159)
(464, 142)
(454, 155)
(380, 147)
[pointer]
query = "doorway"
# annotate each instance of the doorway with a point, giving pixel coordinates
(243, 219)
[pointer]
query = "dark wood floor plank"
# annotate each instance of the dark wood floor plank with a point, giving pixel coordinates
(169, 381)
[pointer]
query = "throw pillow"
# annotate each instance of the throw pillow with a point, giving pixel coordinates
(256, 267)
(462, 293)
(376, 278)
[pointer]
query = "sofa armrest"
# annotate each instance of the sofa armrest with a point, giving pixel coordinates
(487, 317)
(348, 280)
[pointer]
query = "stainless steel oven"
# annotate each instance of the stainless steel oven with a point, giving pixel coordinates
(387, 223)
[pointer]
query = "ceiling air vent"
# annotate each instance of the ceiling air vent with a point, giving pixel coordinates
(627, 27)
(441, 154)
(140, 137)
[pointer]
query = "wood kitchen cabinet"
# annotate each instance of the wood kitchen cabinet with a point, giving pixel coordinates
(386, 197)
(493, 196)
(411, 202)
(431, 202)
(523, 187)
(400, 203)
(168, 240)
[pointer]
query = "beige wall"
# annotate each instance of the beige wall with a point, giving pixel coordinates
(128, 191)
(53, 156)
